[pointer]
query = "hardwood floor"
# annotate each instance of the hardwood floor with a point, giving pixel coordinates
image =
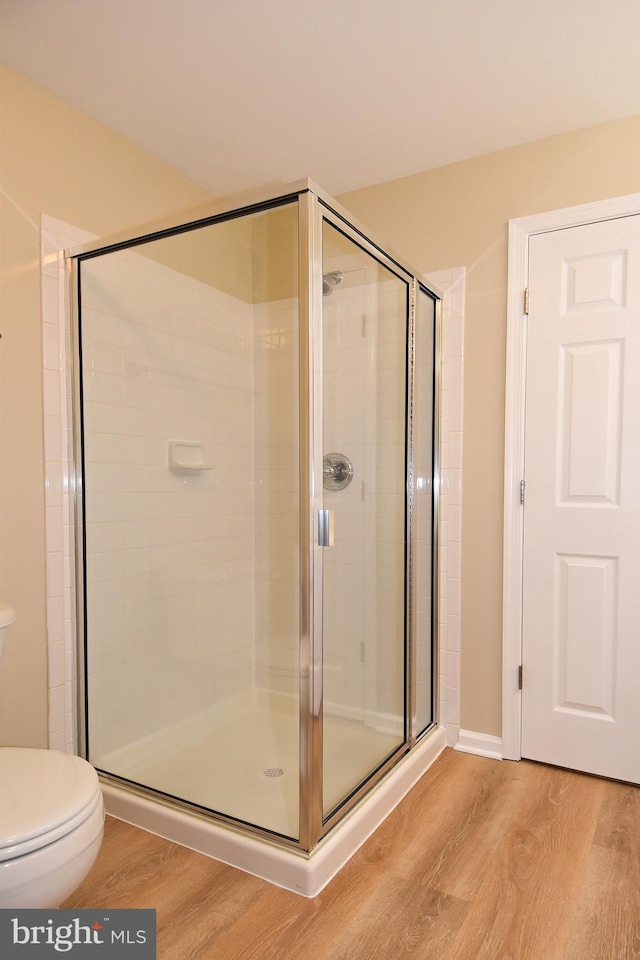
(483, 860)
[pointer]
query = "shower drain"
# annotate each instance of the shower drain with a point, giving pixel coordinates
(272, 773)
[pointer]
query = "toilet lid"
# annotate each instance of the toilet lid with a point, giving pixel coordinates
(40, 790)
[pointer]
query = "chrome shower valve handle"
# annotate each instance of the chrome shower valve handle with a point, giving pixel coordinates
(337, 471)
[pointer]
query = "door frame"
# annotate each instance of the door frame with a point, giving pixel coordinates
(520, 231)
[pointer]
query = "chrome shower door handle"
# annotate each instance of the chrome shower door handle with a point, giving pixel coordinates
(325, 528)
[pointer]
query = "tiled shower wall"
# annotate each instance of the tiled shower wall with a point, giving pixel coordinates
(167, 373)
(276, 500)
(276, 606)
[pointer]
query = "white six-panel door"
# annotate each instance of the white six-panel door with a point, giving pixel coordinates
(581, 552)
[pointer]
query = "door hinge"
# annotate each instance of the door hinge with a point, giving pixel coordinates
(522, 491)
(520, 677)
(526, 301)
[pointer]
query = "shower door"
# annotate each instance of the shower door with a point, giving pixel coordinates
(364, 342)
(189, 406)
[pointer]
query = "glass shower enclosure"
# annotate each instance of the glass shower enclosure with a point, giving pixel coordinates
(256, 511)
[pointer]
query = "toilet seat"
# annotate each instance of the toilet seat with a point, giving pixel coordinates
(63, 792)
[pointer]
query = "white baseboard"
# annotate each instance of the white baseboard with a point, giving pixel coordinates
(481, 744)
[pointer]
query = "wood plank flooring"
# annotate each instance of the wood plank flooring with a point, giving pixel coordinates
(483, 860)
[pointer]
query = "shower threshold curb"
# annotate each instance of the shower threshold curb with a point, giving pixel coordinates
(289, 869)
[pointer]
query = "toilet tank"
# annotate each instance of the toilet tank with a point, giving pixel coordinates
(7, 616)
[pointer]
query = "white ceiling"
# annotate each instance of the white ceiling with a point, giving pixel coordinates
(241, 93)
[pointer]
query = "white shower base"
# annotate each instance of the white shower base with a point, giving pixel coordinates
(224, 759)
(218, 760)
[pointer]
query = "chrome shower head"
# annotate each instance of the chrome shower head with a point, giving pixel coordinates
(329, 281)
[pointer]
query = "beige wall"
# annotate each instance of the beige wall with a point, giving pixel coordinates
(457, 216)
(58, 161)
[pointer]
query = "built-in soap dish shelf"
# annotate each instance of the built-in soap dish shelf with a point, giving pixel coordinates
(187, 456)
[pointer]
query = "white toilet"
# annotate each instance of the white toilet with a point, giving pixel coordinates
(51, 820)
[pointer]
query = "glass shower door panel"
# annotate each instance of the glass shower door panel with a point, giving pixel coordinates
(364, 373)
(190, 405)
